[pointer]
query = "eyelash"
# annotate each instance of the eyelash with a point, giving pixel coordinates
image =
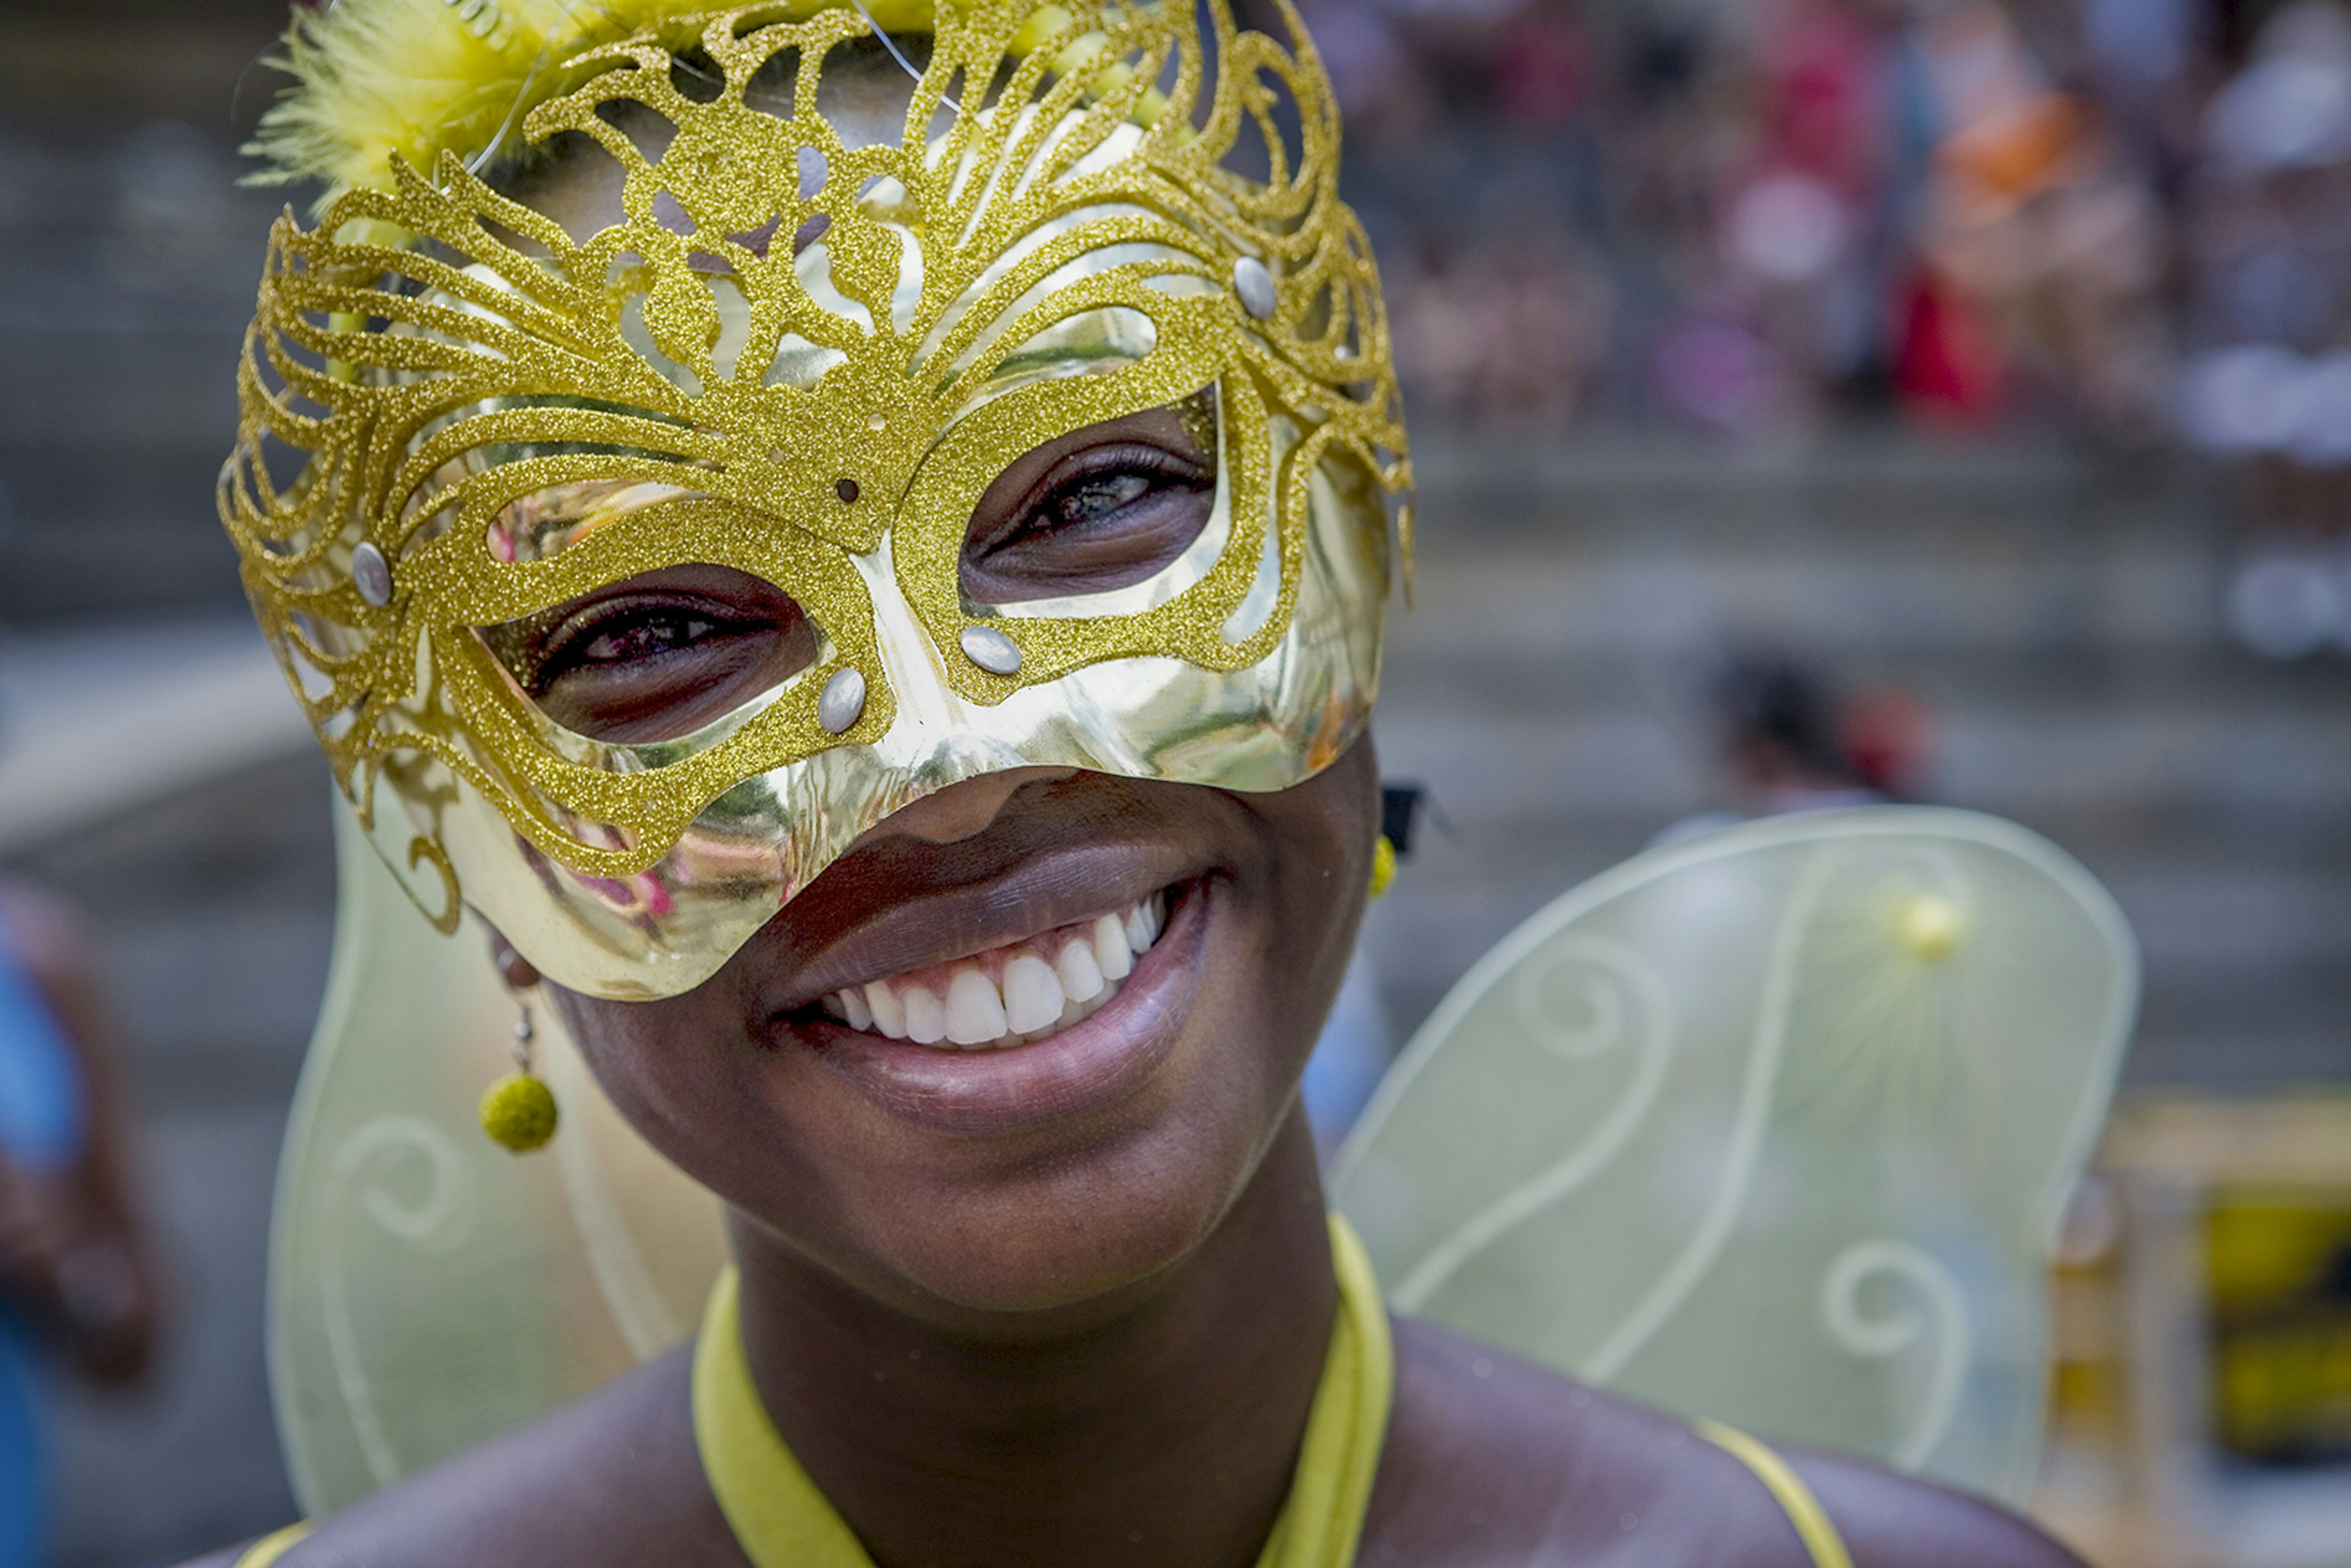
(1164, 469)
(569, 648)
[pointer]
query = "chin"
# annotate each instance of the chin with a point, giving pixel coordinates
(1092, 1232)
(1060, 1223)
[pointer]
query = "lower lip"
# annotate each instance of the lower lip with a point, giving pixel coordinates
(1086, 1068)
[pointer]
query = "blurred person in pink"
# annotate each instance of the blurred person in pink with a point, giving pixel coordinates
(2041, 249)
(1543, 66)
(1783, 254)
(1803, 214)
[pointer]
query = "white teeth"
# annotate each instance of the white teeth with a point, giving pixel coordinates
(889, 1012)
(927, 1019)
(974, 1013)
(1032, 993)
(1081, 976)
(1038, 995)
(1141, 926)
(1111, 950)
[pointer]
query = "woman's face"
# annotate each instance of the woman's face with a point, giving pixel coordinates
(1035, 1168)
(1031, 1037)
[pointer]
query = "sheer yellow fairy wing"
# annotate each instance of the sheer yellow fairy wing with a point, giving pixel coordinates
(428, 1289)
(1773, 1126)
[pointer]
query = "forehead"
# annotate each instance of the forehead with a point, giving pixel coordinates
(863, 95)
(822, 219)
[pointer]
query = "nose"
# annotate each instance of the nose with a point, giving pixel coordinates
(959, 810)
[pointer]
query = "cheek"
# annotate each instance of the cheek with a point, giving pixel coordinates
(1318, 885)
(666, 1068)
(754, 1126)
(1269, 988)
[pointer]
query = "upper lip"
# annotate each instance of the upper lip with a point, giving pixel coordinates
(860, 939)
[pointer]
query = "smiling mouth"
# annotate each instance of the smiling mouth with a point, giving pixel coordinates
(1012, 994)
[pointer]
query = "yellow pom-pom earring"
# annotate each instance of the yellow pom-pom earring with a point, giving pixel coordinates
(518, 1111)
(1400, 807)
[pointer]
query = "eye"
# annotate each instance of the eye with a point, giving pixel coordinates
(1103, 507)
(1092, 500)
(1105, 504)
(639, 632)
(658, 656)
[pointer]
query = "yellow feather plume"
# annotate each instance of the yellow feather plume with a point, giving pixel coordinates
(419, 77)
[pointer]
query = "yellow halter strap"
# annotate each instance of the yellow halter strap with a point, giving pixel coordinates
(782, 1520)
(1813, 1526)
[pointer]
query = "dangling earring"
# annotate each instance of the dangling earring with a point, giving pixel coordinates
(518, 1111)
(1399, 809)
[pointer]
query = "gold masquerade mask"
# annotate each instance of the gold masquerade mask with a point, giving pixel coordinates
(805, 358)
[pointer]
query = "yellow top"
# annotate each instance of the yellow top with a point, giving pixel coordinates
(1804, 1511)
(783, 1521)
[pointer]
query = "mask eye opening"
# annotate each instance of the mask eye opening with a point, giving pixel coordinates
(657, 668)
(1108, 520)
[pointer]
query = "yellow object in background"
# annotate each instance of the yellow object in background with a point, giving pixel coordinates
(2278, 1271)
(2203, 1391)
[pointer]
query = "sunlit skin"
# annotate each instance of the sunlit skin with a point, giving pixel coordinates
(1063, 1303)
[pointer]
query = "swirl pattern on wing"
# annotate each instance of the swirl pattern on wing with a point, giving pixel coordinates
(1900, 1329)
(1585, 999)
(435, 1219)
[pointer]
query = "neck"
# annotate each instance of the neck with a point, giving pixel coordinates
(1161, 1431)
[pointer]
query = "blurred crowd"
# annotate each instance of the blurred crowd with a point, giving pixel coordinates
(2127, 218)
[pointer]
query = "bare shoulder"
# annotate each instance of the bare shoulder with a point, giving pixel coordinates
(1892, 1521)
(1492, 1460)
(611, 1478)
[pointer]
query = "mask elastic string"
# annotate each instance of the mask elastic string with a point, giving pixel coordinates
(892, 44)
(481, 160)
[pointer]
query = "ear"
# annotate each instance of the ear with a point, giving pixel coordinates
(512, 966)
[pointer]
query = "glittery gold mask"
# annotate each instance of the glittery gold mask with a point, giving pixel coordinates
(806, 358)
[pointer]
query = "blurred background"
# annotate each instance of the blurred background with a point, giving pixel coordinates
(1814, 399)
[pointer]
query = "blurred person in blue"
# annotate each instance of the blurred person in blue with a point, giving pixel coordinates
(77, 1281)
